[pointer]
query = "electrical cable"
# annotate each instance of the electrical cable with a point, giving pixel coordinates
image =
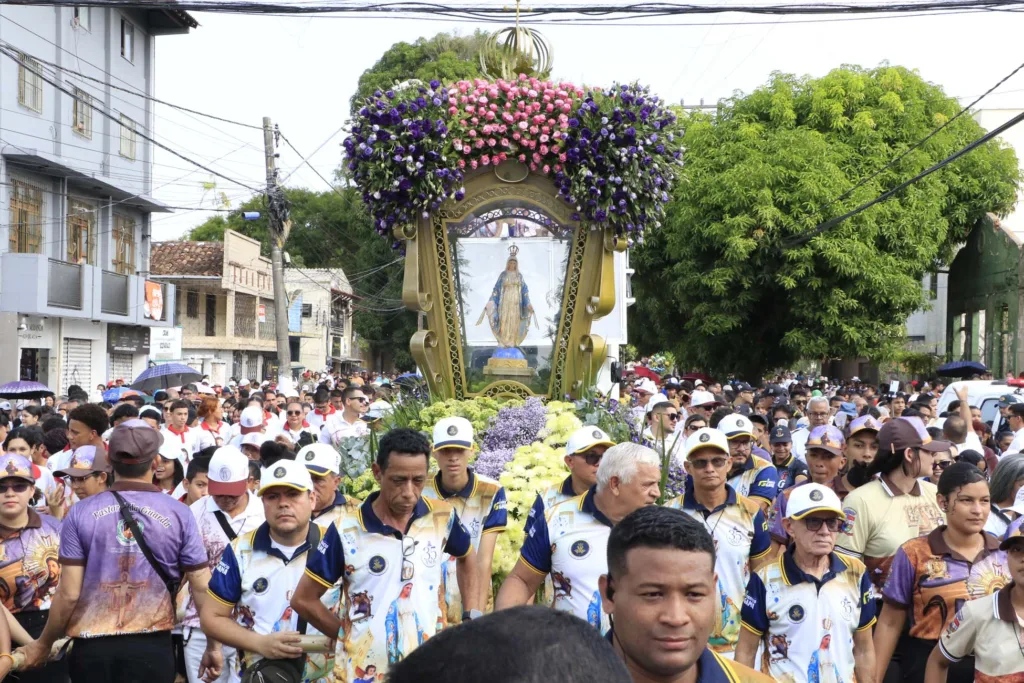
(7, 52)
(305, 160)
(833, 222)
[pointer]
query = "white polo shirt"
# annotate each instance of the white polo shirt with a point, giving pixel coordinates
(336, 427)
(189, 440)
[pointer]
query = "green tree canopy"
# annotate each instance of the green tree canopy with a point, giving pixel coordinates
(445, 57)
(727, 286)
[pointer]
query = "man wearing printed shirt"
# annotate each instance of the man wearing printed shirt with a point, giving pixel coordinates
(811, 609)
(583, 453)
(570, 542)
(749, 475)
(478, 500)
(388, 558)
(824, 461)
(660, 591)
(349, 421)
(254, 579)
(126, 599)
(227, 512)
(736, 523)
(324, 466)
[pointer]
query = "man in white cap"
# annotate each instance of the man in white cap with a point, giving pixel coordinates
(229, 511)
(643, 390)
(570, 543)
(251, 421)
(661, 431)
(478, 500)
(583, 454)
(257, 575)
(324, 466)
(812, 608)
(751, 476)
(703, 403)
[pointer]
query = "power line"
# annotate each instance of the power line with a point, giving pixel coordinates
(305, 160)
(833, 222)
(161, 145)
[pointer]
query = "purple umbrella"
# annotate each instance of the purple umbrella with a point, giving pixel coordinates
(24, 390)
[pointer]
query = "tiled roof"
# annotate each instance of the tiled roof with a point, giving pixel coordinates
(187, 258)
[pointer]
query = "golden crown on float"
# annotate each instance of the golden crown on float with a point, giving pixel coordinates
(514, 200)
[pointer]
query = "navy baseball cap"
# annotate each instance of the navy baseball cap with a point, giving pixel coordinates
(780, 434)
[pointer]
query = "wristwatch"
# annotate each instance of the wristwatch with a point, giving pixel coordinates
(471, 615)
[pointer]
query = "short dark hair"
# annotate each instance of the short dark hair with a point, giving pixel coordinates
(520, 644)
(49, 424)
(33, 436)
(254, 470)
(1017, 409)
(178, 404)
(199, 465)
(124, 410)
(272, 451)
(55, 440)
(338, 393)
(348, 392)
(971, 457)
(92, 416)
(958, 475)
(694, 417)
(656, 527)
(133, 470)
(718, 414)
(33, 410)
(136, 401)
(401, 440)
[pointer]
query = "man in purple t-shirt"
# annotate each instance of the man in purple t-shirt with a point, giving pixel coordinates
(110, 599)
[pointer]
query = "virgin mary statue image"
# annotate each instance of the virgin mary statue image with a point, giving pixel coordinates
(509, 310)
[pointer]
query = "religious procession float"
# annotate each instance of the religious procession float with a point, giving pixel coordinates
(512, 199)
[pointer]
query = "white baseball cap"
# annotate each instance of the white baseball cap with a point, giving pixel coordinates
(706, 437)
(808, 498)
(5, 405)
(251, 417)
(254, 439)
(244, 382)
(700, 398)
(290, 473)
(229, 472)
(453, 432)
(736, 425)
(646, 384)
(174, 449)
(656, 400)
(320, 458)
(1018, 502)
(585, 438)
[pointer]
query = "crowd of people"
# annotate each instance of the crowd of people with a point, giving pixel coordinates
(824, 533)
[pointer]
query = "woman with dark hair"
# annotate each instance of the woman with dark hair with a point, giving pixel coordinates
(170, 469)
(932, 576)
(28, 441)
(30, 415)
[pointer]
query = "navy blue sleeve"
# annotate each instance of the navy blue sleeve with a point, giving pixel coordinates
(325, 564)
(754, 614)
(226, 582)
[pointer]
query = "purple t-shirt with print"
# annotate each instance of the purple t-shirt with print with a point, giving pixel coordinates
(121, 592)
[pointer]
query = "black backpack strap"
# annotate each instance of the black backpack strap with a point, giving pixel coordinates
(222, 519)
(126, 515)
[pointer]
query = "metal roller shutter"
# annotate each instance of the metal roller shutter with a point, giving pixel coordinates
(121, 367)
(77, 367)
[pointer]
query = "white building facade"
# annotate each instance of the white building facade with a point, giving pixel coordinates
(76, 183)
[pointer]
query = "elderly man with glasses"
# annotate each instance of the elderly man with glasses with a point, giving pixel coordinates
(817, 416)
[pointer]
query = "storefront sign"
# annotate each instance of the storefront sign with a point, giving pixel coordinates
(165, 343)
(37, 333)
(124, 339)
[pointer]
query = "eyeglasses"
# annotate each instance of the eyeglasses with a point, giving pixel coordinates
(702, 463)
(295, 412)
(814, 523)
(408, 548)
(593, 459)
(361, 399)
(694, 427)
(19, 487)
(818, 415)
(941, 464)
(673, 416)
(82, 480)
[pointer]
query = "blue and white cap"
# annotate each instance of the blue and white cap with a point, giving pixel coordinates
(453, 432)
(320, 458)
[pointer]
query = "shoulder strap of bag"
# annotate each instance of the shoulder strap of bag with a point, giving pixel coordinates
(222, 519)
(1000, 514)
(126, 515)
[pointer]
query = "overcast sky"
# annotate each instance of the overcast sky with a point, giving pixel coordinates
(302, 71)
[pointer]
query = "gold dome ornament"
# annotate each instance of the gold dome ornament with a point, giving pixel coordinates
(516, 50)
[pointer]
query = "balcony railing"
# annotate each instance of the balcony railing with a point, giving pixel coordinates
(114, 293)
(65, 284)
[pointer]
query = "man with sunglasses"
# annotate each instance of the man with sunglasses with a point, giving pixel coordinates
(661, 433)
(387, 558)
(812, 608)
(751, 476)
(349, 421)
(736, 524)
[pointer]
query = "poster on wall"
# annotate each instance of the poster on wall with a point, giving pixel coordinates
(263, 313)
(153, 308)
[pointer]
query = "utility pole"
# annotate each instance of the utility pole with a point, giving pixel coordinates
(280, 225)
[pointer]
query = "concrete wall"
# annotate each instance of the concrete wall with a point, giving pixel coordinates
(930, 323)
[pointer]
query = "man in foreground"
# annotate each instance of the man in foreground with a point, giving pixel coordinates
(660, 593)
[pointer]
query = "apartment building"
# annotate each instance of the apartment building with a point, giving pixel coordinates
(320, 319)
(76, 180)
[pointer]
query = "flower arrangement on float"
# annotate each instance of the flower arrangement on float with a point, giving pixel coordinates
(612, 153)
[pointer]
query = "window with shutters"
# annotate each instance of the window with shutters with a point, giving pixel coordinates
(128, 138)
(81, 121)
(192, 305)
(307, 310)
(211, 315)
(127, 40)
(81, 233)
(26, 230)
(30, 83)
(124, 245)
